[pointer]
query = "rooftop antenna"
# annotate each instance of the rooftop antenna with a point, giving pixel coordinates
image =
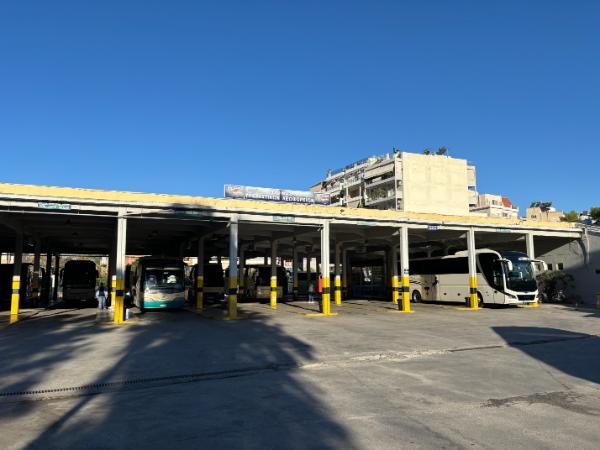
(442, 151)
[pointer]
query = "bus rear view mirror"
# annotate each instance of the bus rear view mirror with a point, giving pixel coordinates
(539, 266)
(509, 264)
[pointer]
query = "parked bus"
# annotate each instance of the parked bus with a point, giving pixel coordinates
(258, 282)
(367, 279)
(302, 283)
(157, 283)
(79, 282)
(502, 278)
(214, 282)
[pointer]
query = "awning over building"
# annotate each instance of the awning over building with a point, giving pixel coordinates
(380, 170)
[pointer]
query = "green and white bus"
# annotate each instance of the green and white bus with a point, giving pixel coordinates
(157, 283)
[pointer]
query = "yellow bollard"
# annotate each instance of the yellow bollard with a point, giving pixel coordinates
(326, 297)
(232, 298)
(113, 291)
(405, 294)
(338, 290)
(473, 297)
(295, 289)
(119, 300)
(200, 293)
(395, 290)
(15, 298)
(273, 292)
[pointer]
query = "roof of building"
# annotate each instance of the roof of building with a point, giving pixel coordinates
(188, 201)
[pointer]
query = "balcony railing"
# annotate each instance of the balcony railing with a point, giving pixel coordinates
(376, 182)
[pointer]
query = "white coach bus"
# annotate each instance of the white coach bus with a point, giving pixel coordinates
(502, 278)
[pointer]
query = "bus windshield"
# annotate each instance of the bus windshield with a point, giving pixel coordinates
(164, 278)
(521, 277)
(80, 272)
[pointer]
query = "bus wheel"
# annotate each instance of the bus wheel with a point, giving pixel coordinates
(480, 300)
(416, 297)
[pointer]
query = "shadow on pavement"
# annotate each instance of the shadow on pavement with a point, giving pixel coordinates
(221, 384)
(575, 354)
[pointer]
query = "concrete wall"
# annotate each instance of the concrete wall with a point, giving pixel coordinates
(572, 256)
(433, 183)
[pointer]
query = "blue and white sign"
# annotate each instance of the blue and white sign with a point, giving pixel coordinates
(276, 195)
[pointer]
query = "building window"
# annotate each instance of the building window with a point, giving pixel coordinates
(549, 266)
(560, 266)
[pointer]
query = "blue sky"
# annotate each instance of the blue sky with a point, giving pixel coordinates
(184, 96)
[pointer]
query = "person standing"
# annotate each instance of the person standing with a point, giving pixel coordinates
(101, 295)
(311, 292)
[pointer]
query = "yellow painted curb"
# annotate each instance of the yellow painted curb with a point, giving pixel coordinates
(320, 314)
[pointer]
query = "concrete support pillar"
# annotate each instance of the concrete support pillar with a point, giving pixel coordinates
(200, 275)
(295, 272)
(56, 277)
(404, 304)
(233, 270)
(473, 297)
(112, 269)
(16, 279)
(308, 272)
(345, 273)
(35, 282)
(529, 243)
(338, 274)
(242, 273)
(395, 281)
(387, 279)
(273, 296)
(118, 280)
(48, 279)
(326, 295)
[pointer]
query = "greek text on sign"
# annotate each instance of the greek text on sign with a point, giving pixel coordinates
(276, 195)
(59, 206)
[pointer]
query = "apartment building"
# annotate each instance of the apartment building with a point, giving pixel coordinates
(404, 181)
(492, 205)
(543, 212)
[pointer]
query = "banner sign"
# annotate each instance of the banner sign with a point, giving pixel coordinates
(276, 195)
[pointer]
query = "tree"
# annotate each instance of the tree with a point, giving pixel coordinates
(595, 213)
(571, 216)
(556, 286)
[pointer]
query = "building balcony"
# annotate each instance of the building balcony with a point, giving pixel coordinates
(352, 182)
(376, 201)
(377, 182)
